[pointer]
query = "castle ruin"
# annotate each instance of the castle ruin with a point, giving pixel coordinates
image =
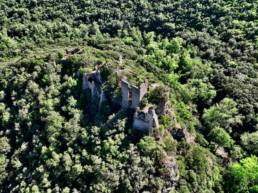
(132, 95)
(145, 120)
(93, 82)
(125, 90)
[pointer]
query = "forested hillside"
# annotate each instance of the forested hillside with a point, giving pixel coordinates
(200, 56)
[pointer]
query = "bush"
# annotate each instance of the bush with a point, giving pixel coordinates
(250, 142)
(242, 177)
(221, 137)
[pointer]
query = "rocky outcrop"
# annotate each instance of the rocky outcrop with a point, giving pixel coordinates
(171, 172)
(182, 134)
(220, 151)
(163, 107)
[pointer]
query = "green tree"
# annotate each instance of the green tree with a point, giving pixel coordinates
(148, 145)
(242, 177)
(221, 137)
(3, 165)
(250, 142)
(174, 46)
(202, 92)
(5, 146)
(4, 150)
(224, 114)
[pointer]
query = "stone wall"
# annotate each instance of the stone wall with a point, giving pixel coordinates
(102, 98)
(125, 93)
(145, 120)
(135, 97)
(152, 112)
(163, 107)
(85, 82)
(92, 82)
(132, 95)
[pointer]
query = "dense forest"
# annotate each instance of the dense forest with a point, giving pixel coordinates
(202, 54)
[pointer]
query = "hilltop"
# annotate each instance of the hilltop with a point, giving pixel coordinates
(124, 96)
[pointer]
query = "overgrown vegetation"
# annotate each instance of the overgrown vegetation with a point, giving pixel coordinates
(203, 53)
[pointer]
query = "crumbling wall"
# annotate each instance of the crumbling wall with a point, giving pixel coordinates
(135, 97)
(102, 98)
(94, 90)
(125, 93)
(143, 89)
(92, 82)
(136, 93)
(85, 82)
(155, 118)
(163, 107)
(145, 120)
(96, 76)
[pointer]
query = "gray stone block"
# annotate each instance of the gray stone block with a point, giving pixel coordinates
(136, 99)
(145, 120)
(125, 93)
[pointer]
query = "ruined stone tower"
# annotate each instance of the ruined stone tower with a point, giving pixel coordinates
(145, 120)
(132, 95)
(93, 82)
(138, 93)
(125, 93)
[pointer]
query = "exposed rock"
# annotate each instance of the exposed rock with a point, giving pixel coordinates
(182, 134)
(220, 151)
(178, 134)
(73, 51)
(171, 170)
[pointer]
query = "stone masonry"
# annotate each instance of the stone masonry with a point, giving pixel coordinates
(125, 93)
(145, 120)
(132, 95)
(138, 93)
(93, 83)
